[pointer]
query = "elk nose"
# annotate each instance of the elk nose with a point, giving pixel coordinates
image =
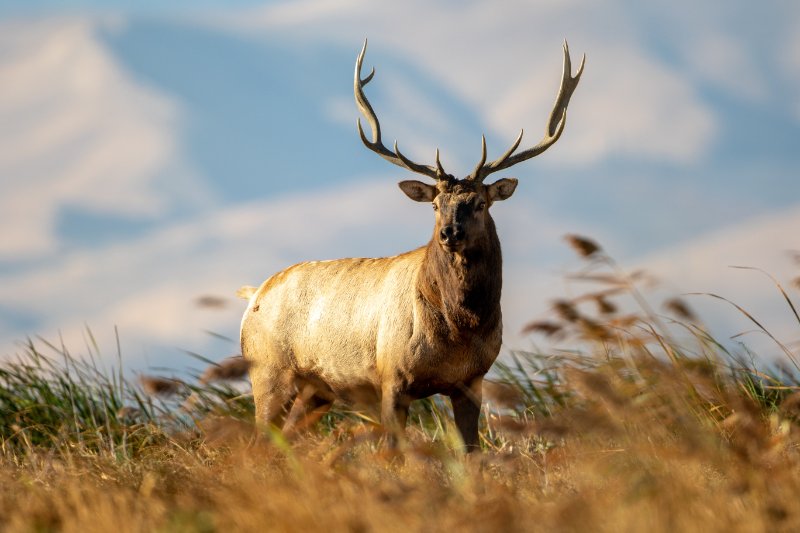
(452, 234)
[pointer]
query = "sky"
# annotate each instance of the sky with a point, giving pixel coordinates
(152, 154)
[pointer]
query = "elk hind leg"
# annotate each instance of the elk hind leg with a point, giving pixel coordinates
(272, 395)
(308, 407)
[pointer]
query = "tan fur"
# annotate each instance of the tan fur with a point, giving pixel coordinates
(387, 331)
(382, 331)
(359, 326)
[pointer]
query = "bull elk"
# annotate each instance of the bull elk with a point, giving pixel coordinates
(394, 329)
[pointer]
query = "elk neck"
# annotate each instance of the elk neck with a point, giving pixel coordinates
(463, 289)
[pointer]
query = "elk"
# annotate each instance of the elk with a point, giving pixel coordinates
(391, 330)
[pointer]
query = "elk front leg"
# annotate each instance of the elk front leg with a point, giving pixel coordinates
(394, 412)
(466, 411)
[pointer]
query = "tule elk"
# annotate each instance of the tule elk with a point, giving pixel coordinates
(390, 330)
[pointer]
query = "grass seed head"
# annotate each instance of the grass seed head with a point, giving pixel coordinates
(503, 394)
(232, 368)
(566, 310)
(128, 414)
(594, 330)
(604, 306)
(211, 302)
(545, 327)
(585, 247)
(158, 386)
(681, 309)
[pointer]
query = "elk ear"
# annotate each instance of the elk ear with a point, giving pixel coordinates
(502, 189)
(418, 191)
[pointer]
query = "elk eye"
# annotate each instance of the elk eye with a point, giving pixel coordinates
(435, 207)
(481, 206)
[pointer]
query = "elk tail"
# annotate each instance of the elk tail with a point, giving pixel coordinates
(246, 292)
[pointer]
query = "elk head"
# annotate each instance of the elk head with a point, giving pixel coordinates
(461, 205)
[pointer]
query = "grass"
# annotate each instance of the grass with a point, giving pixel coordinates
(625, 420)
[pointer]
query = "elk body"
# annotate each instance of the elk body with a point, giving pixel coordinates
(391, 330)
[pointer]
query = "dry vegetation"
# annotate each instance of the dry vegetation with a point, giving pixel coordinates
(645, 423)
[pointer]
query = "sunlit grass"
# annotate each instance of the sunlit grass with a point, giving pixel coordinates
(625, 420)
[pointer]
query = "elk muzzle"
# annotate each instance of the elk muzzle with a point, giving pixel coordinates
(452, 236)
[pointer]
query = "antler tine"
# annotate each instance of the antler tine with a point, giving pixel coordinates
(568, 85)
(480, 164)
(480, 171)
(439, 166)
(415, 167)
(376, 145)
(555, 124)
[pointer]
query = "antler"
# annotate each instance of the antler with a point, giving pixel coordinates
(555, 126)
(376, 145)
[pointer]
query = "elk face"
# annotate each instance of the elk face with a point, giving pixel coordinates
(461, 207)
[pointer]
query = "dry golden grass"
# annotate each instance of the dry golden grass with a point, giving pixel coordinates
(629, 430)
(640, 445)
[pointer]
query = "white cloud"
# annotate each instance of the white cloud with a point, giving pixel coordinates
(726, 62)
(75, 130)
(703, 265)
(632, 105)
(505, 65)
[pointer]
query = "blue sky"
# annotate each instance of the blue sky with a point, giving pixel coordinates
(151, 155)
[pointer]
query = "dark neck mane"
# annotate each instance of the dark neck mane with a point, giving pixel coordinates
(464, 290)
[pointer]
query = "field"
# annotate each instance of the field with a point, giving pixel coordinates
(628, 420)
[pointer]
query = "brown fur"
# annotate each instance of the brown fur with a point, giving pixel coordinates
(386, 330)
(464, 288)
